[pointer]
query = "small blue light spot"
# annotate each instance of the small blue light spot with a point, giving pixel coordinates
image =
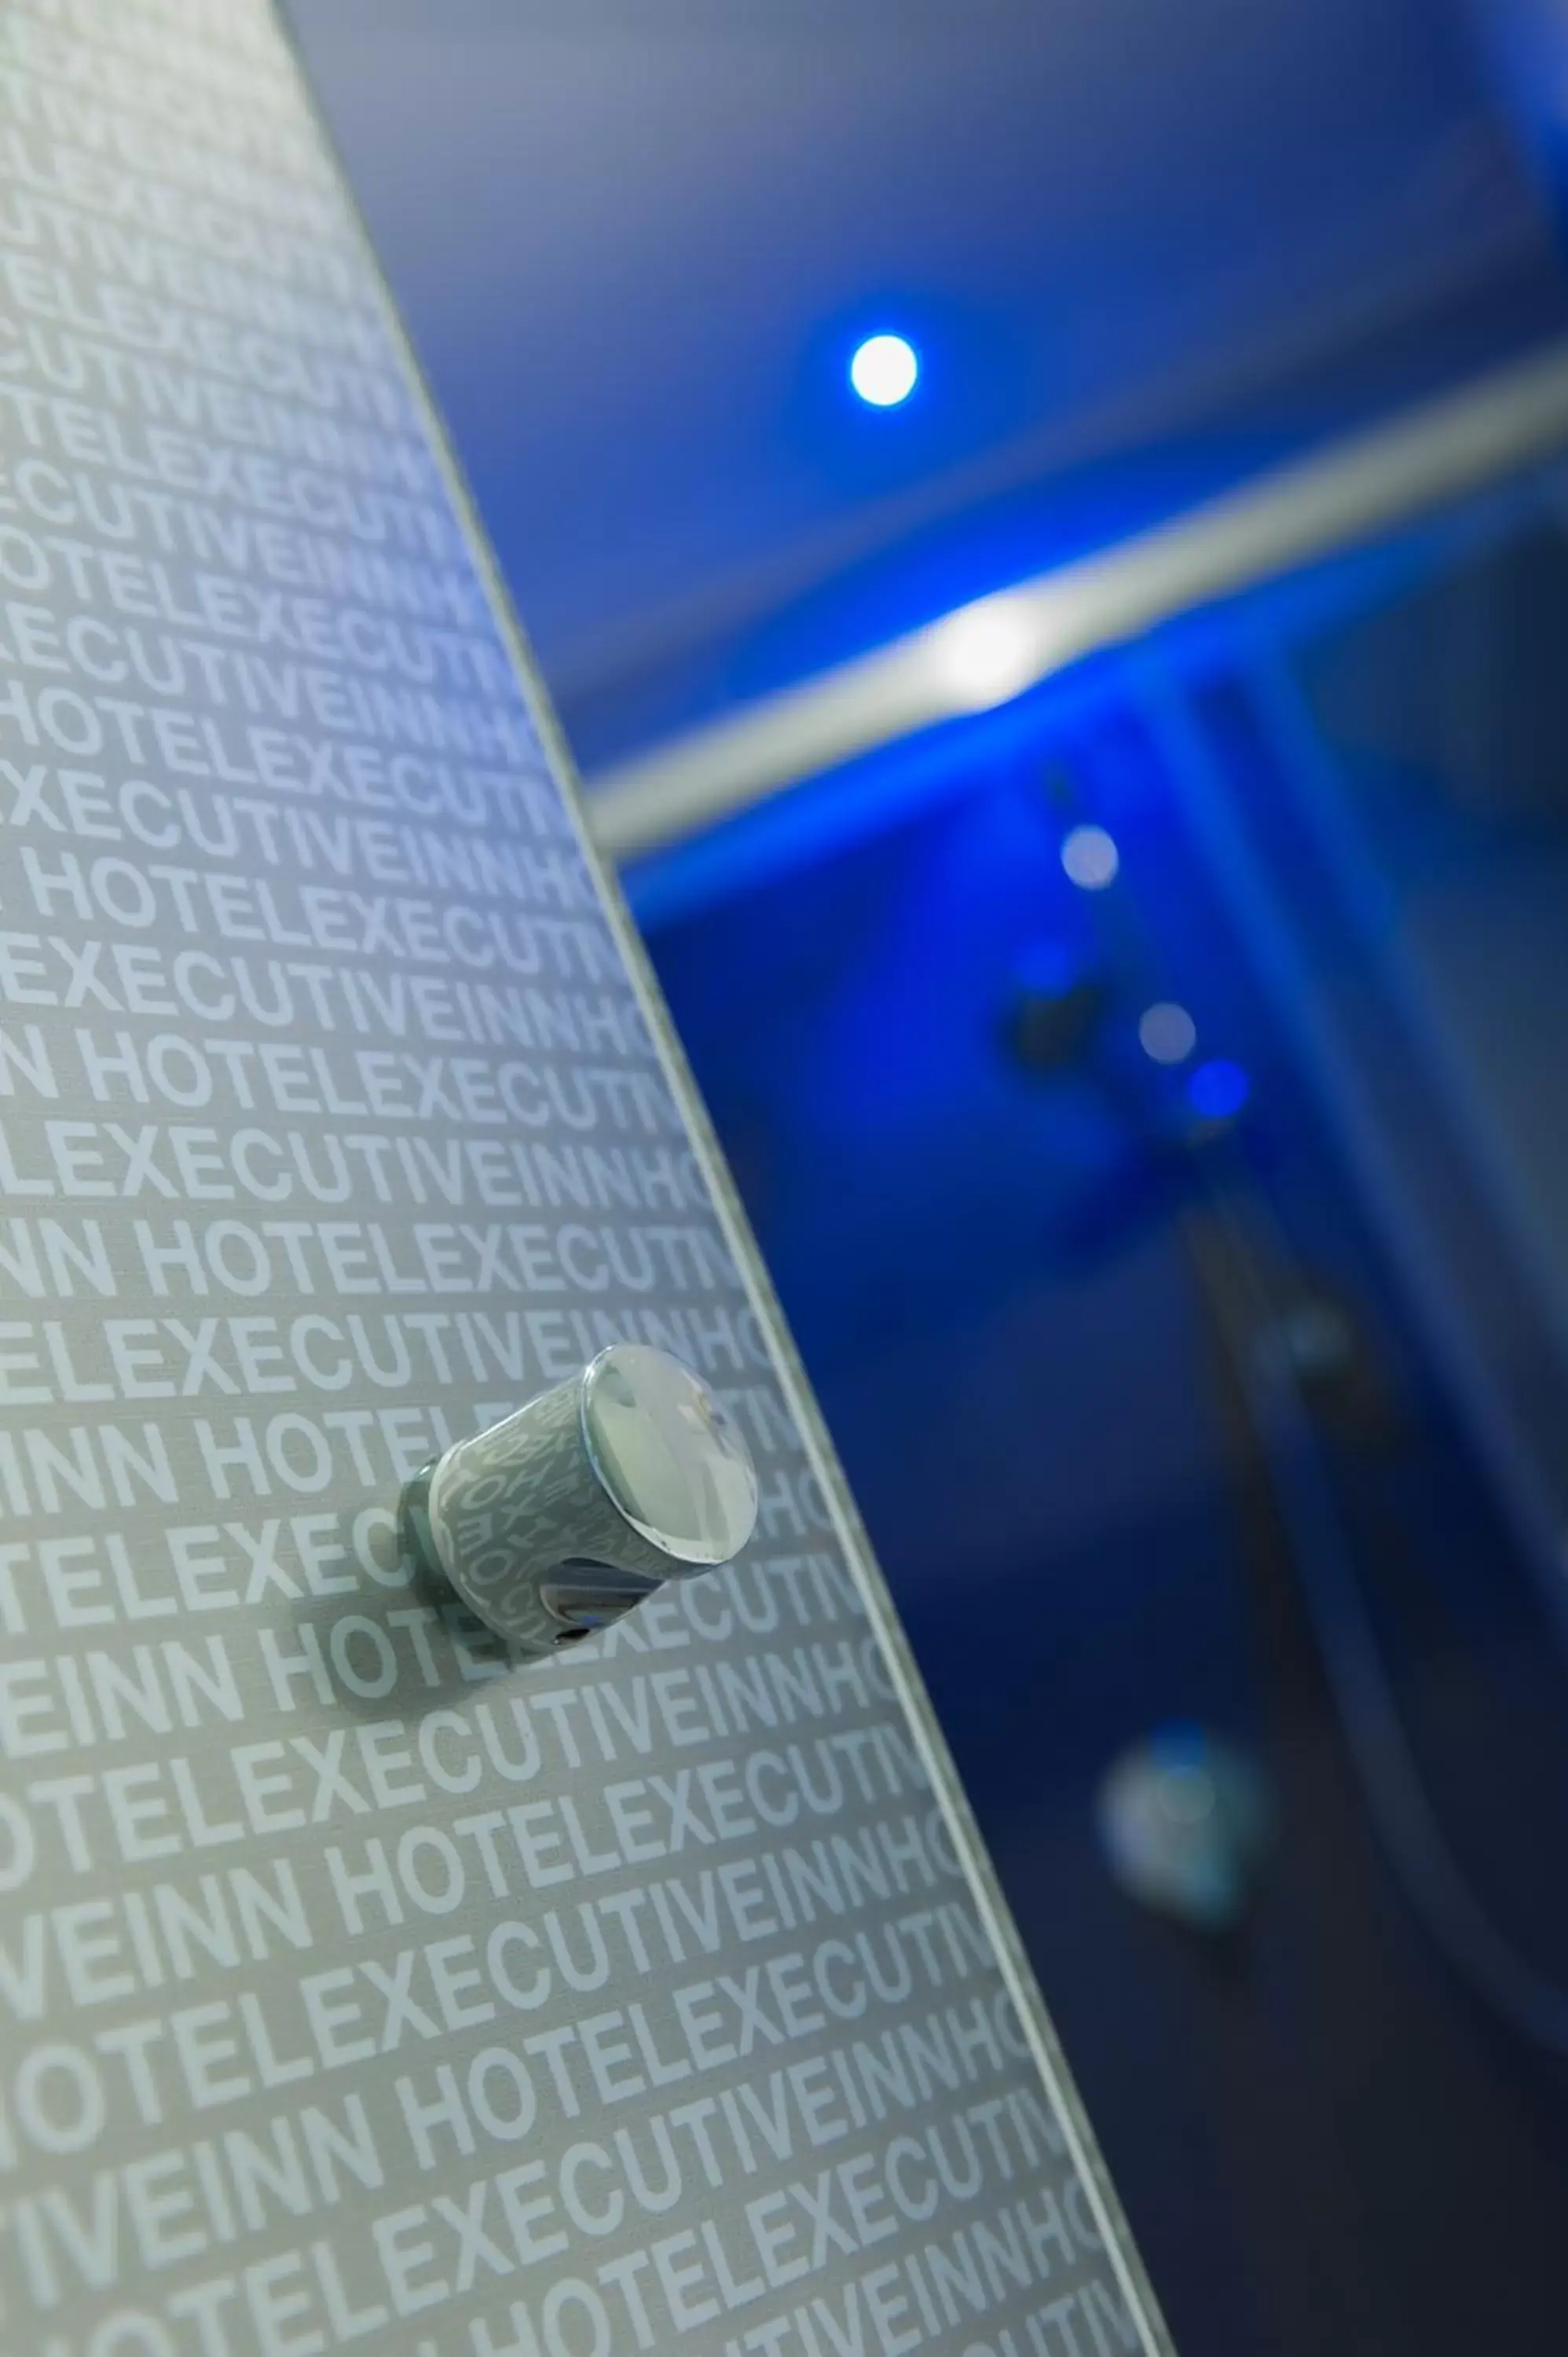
(884, 371)
(1089, 858)
(1219, 1090)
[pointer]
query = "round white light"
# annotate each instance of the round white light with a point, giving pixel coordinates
(1090, 858)
(1166, 1032)
(884, 371)
(987, 653)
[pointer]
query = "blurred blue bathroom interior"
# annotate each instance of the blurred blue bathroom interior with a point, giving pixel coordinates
(1147, 1075)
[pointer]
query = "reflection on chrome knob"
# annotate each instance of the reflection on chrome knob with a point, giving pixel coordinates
(556, 1520)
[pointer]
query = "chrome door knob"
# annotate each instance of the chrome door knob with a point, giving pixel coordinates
(556, 1520)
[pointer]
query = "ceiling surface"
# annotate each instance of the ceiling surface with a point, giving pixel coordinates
(636, 241)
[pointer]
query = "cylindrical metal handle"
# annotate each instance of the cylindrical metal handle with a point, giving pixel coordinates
(559, 1519)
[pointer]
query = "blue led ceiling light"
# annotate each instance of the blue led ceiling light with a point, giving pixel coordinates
(885, 370)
